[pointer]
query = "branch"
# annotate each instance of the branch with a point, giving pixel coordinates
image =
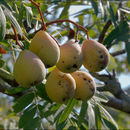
(7, 77)
(121, 100)
(118, 52)
(102, 34)
(118, 104)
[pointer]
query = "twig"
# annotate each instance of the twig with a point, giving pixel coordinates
(44, 25)
(118, 52)
(16, 37)
(102, 34)
(70, 21)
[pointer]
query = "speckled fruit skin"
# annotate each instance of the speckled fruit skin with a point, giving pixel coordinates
(60, 87)
(71, 57)
(95, 56)
(46, 48)
(29, 69)
(85, 85)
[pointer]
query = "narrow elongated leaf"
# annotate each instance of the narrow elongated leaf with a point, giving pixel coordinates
(29, 14)
(100, 98)
(128, 52)
(61, 125)
(5, 4)
(27, 117)
(41, 91)
(15, 90)
(95, 6)
(108, 116)
(2, 24)
(110, 125)
(118, 33)
(83, 111)
(23, 102)
(112, 64)
(113, 17)
(91, 116)
(13, 20)
(1, 63)
(65, 10)
(67, 110)
(35, 123)
(97, 117)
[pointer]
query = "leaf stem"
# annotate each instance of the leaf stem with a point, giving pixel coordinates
(40, 12)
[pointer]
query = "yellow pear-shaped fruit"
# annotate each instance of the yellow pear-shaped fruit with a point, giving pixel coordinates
(95, 54)
(60, 87)
(71, 57)
(29, 69)
(46, 48)
(85, 85)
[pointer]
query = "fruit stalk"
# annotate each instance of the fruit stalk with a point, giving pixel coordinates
(16, 37)
(40, 12)
(67, 20)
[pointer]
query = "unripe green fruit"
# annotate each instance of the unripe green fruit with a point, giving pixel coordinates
(60, 87)
(29, 69)
(85, 85)
(95, 54)
(71, 57)
(46, 48)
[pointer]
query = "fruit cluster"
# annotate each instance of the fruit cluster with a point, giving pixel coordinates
(66, 80)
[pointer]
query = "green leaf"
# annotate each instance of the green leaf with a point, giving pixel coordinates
(91, 116)
(41, 91)
(112, 64)
(29, 14)
(95, 6)
(110, 125)
(83, 111)
(64, 13)
(2, 24)
(72, 128)
(61, 125)
(35, 123)
(1, 63)
(113, 17)
(97, 117)
(128, 52)
(23, 102)
(107, 115)
(15, 90)
(98, 96)
(13, 20)
(67, 110)
(5, 4)
(27, 117)
(121, 31)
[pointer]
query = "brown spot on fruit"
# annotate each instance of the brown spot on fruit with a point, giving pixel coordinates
(60, 87)
(72, 56)
(74, 66)
(95, 55)
(83, 80)
(63, 99)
